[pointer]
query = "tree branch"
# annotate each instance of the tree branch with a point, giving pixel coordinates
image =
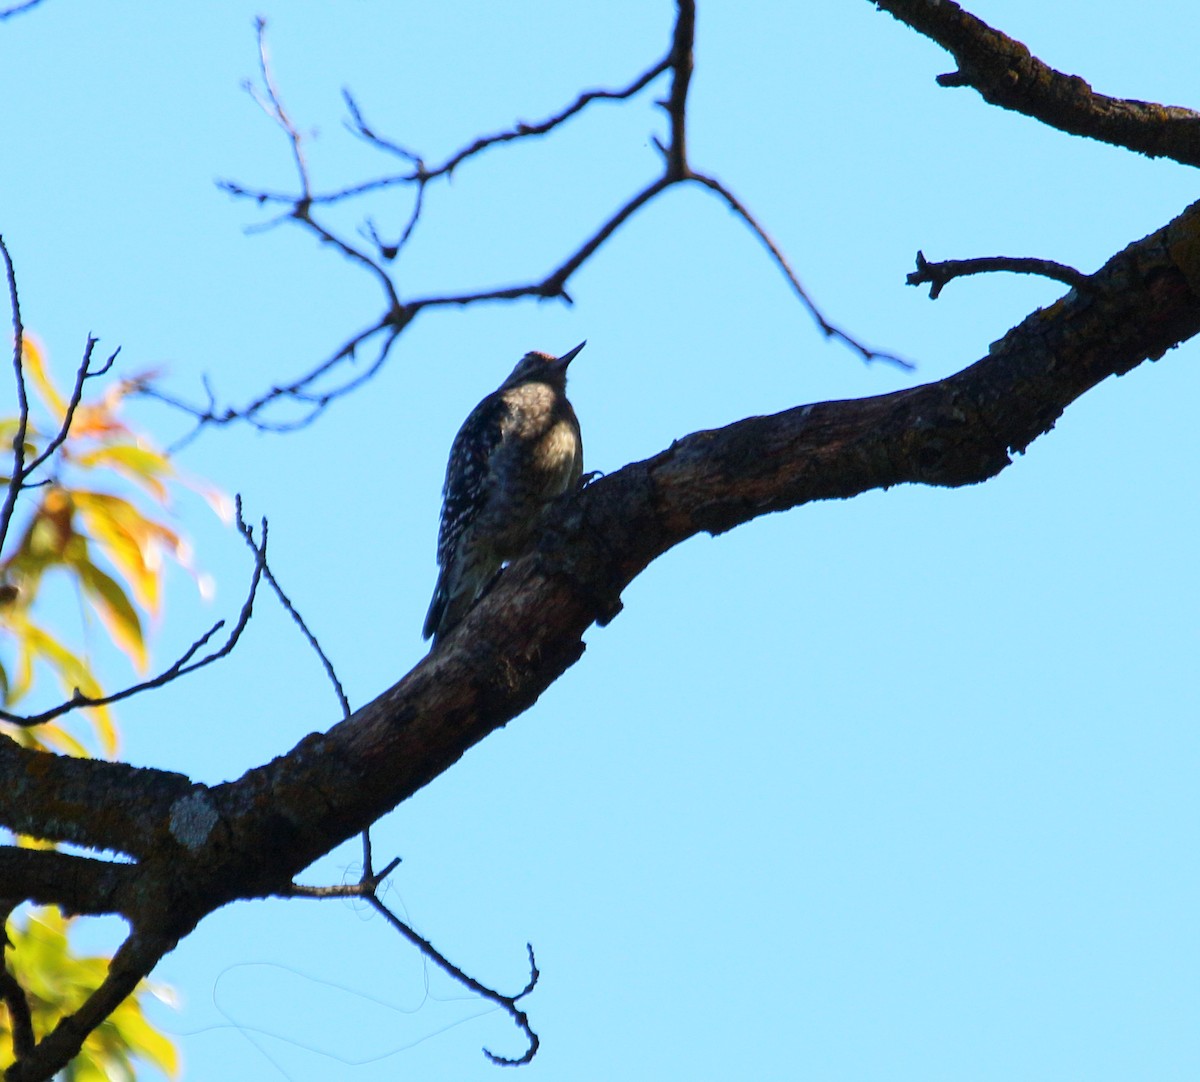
(76, 884)
(17, 477)
(509, 1003)
(12, 995)
(937, 275)
(17, 9)
(88, 802)
(1006, 74)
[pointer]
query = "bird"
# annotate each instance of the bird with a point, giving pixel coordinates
(517, 452)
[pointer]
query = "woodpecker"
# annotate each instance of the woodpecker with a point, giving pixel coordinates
(517, 451)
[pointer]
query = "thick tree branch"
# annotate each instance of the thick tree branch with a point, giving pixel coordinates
(76, 884)
(88, 802)
(1006, 74)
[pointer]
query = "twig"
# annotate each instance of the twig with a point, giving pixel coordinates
(18, 468)
(399, 313)
(364, 888)
(937, 275)
(421, 173)
(261, 553)
(272, 105)
(509, 1003)
(829, 329)
(367, 888)
(82, 375)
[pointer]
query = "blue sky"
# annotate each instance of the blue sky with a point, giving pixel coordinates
(896, 788)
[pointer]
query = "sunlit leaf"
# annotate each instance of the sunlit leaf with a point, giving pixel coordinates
(115, 609)
(143, 466)
(134, 543)
(34, 362)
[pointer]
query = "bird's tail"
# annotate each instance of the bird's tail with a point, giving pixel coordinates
(437, 609)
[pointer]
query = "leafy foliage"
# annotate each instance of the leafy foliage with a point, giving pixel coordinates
(56, 982)
(87, 524)
(107, 545)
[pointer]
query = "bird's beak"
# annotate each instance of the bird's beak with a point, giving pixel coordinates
(568, 357)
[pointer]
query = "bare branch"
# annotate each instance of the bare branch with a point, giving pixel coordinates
(261, 561)
(828, 329)
(18, 467)
(272, 105)
(89, 802)
(681, 61)
(554, 284)
(422, 174)
(509, 1003)
(1006, 74)
(370, 882)
(937, 275)
(399, 314)
(82, 374)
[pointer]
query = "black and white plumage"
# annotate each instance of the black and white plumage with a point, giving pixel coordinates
(517, 451)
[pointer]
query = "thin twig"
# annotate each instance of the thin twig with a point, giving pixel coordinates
(509, 1003)
(18, 468)
(830, 330)
(248, 536)
(272, 105)
(421, 173)
(937, 275)
(679, 60)
(82, 374)
(367, 888)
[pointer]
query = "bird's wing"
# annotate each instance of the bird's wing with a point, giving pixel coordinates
(469, 466)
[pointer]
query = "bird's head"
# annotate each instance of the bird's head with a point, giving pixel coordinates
(542, 368)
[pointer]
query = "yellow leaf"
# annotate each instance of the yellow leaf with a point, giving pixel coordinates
(115, 610)
(133, 542)
(141, 465)
(34, 362)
